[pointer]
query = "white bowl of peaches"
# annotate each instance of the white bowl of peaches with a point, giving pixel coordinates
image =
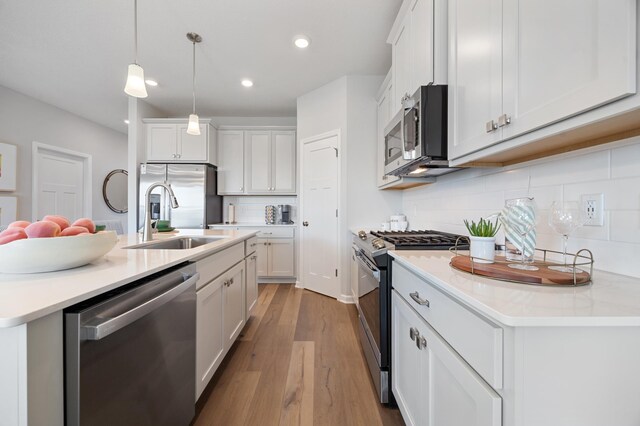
(52, 244)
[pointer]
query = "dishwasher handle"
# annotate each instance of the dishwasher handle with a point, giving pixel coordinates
(111, 325)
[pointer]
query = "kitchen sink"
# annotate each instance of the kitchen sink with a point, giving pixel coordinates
(180, 243)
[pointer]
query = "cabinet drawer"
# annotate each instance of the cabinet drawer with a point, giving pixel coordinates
(275, 232)
(214, 265)
(476, 339)
(250, 245)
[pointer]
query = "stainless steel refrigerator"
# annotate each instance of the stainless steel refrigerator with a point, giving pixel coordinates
(195, 186)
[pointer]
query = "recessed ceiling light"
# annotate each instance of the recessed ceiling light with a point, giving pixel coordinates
(247, 83)
(126, 121)
(151, 83)
(301, 41)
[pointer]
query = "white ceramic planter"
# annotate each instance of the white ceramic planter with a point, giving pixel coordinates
(483, 249)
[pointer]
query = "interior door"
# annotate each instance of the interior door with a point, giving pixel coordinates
(320, 222)
(62, 184)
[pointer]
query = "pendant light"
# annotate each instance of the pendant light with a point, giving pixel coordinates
(194, 123)
(135, 78)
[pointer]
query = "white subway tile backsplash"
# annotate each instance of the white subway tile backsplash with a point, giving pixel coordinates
(625, 161)
(475, 193)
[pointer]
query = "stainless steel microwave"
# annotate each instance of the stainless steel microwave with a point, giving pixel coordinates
(416, 138)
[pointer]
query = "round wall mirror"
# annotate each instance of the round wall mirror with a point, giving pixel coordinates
(114, 190)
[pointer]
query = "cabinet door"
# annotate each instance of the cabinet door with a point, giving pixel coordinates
(258, 162)
(580, 56)
(457, 394)
(262, 263)
(209, 332)
(234, 303)
(422, 43)
(410, 365)
(161, 142)
(475, 74)
(193, 148)
(231, 159)
(402, 63)
(251, 283)
(283, 162)
(281, 257)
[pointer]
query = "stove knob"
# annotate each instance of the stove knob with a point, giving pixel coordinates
(378, 244)
(362, 235)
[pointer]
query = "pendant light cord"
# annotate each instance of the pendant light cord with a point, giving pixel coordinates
(194, 77)
(135, 31)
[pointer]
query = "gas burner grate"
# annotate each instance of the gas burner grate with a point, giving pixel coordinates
(419, 240)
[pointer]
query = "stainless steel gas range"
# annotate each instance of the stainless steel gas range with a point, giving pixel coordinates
(374, 293)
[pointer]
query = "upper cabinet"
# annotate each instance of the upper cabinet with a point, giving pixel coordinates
(257, 161)
(418, 40)
(167, 141)
(519, 66)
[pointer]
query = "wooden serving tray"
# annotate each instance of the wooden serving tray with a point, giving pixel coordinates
(501, 271)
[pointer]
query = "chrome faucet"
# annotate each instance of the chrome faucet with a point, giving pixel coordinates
(147, 232)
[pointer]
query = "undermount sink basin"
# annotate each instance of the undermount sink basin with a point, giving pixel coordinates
(180, 243)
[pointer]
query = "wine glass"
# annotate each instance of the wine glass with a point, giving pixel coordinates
(564, 218)
(519, 217)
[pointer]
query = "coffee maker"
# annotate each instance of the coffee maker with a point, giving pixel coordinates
(284, 214)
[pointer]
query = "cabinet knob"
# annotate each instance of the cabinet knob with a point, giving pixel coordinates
(503, 120)
(231, 281)
(242, 188)
(416, 297)
(413, 333)
(421, 342)
(491, 126)
(305, 223)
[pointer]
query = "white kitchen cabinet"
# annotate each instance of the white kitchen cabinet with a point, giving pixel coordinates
(234, 303)
(418, 41)
(265, 165)
(251, 269)
(514, 67)
(275, 257)
(220, 309)
(270, 162)
(432, 384)
(167, 141)
(231, 167)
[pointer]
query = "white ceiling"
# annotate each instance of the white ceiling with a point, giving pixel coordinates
(74, 53)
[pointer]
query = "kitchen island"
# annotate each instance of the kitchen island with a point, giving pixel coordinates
(512, 354)
(31, 319)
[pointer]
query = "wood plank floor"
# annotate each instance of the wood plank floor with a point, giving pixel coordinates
(297, 362)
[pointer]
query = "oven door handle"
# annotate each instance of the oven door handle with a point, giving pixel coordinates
(107, 326)
(371, 269)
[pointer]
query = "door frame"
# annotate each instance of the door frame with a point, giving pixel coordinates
(339, 230)
(36, 149)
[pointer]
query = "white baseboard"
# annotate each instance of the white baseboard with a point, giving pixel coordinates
(299, 284)
(347, 299)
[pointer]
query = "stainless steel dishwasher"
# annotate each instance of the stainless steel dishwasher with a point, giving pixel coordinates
(130, 354)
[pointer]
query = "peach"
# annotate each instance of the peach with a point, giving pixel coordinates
(62, 221)
(7, 238)
(74, 230)
(86, 223)
(43, 229)
(19, 224)
(10, 231)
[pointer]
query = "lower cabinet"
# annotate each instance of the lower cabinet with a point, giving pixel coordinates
(220, 317)
(275, 257)
(252, 283)
(432, 384)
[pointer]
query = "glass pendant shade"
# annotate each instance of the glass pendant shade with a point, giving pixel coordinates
(194, 125)
(135, 82)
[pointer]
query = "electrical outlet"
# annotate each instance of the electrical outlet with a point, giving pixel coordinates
(594, 209)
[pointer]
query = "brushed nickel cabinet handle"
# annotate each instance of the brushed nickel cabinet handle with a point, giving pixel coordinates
(421, 342)
(490, 126)
(416, 297)
(504, 120)
(413, 333)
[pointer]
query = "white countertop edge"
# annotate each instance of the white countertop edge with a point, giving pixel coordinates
(254, 225)
(187, 255)
(518, 321)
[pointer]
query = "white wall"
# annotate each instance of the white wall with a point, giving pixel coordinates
(24, 120)
(612, 169)
(349, 104)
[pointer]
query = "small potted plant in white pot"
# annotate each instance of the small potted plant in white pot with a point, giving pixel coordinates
(483, 240)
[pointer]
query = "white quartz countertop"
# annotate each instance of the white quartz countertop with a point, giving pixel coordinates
(611, 300)
(254, 224)
(25, 297)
